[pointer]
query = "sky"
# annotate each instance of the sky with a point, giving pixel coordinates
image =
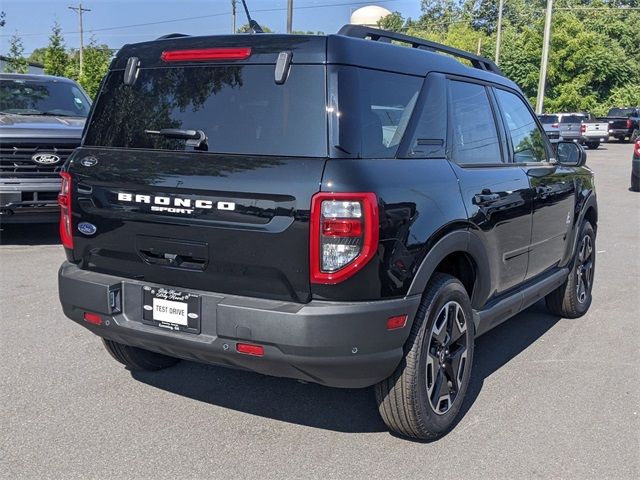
(117, 22)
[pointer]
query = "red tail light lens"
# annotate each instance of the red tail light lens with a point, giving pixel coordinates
(343, 235)
(583, 128)
(206, 54)
(92, 318)
(629, 123)
(636, 149)
(64, 200)
(395, 323)
(555, 125)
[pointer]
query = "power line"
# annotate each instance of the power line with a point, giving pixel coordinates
(199, 17)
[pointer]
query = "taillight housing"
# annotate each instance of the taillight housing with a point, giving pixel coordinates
(629, 123)
(64, 200)
(636, 149)
(555, 125)
(583, 128)
(343, 235)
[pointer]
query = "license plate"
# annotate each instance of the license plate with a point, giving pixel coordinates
(171, 309)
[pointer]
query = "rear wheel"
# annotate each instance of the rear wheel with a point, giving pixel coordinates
(635, 135)
(573, 298)
(635, 182)
(593, 145)
(138, 358)
(422, 398)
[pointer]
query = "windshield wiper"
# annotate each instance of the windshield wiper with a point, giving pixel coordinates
(194, 138)
(46, 114)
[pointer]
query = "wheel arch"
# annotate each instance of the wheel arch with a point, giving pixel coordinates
(460, 254)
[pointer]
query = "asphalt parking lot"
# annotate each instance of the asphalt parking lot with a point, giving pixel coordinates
(551, 398)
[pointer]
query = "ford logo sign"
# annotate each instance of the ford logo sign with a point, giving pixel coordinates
(46, 159)
(87, 228)
(89, 161)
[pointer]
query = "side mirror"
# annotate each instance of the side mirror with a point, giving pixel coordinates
(570, 154)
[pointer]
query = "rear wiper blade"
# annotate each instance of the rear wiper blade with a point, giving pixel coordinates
(194, 138)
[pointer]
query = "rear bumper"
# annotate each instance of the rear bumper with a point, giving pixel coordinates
(619, 132)
(338, 344)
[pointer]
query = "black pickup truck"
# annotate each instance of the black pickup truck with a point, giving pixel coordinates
(337, 209)
(624, 123)
(41, 122)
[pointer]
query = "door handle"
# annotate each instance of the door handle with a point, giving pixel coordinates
(485, 197)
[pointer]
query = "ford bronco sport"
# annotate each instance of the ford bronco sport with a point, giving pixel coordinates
(336, 209)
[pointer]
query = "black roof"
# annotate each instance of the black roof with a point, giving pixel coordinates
(316, 49)
(34, 76)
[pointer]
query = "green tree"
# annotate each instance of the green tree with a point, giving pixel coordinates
(2, 19)
(96, 59)
(246, 29)
(16, 62)
(37, 56)
(55, 58)
(393, 22)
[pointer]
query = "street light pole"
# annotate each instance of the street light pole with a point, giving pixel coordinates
(79, 10)
(289, 16)
(545, 57)
(499, 32)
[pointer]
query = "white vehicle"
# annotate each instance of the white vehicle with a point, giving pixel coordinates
(583, 128)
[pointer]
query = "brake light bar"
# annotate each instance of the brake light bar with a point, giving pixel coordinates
(224, 53)
(343, 235)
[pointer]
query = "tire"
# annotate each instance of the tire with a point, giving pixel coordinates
(573, 298)
(621, 139)
(405, 398)
(138, 359)
(635, 182)
(593, 145)
(635, 135)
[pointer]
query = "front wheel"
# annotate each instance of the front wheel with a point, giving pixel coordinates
(422, 398)
(573, 298)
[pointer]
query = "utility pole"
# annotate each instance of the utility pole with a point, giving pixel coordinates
(233, 16)
(545, 57)
(79, 10)
(499, 32)
(289, 16)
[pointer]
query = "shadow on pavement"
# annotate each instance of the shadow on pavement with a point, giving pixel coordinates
(341, 410)
(29, 234)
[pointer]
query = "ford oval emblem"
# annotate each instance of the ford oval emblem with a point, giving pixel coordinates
(89, 161)
(87, 228)
(46, 159)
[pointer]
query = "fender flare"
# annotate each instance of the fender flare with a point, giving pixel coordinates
(464, 241)
(590, 202)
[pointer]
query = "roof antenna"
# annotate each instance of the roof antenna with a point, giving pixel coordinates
(253, 25)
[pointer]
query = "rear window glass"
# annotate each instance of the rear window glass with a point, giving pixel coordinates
(573, 119)
(547, 119)
(620, 112)
(240, 109)
(373, 111)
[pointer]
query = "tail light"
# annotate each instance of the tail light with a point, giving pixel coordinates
(64, 200)
(629, 123)
(233, 53)
(583, 128)
(555, 125)
(344, 234)
(636, 149)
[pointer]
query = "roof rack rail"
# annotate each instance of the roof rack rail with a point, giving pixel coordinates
(359, 31)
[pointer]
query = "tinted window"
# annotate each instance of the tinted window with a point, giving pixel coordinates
(37, 97)
(573, 118)
(474, 135)
(240, 109)
(547, 119)
(431, 128)
(620, 112)
(527, 138)
(372, 112)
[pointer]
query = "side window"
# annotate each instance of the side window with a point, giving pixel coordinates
(474, 136)
(527, 139)
(430, 132)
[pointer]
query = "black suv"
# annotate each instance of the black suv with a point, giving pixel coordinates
(41, 122)
(337, 209)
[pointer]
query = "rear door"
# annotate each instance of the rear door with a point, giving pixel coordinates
(229, 215)
(553, 185)
(496, 192)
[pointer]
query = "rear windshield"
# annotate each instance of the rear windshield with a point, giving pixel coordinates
(240, 109)
(547, 119)
(43, 97)
(573, 119)
(620, 112)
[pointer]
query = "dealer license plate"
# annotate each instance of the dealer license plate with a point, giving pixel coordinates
(171, 309)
